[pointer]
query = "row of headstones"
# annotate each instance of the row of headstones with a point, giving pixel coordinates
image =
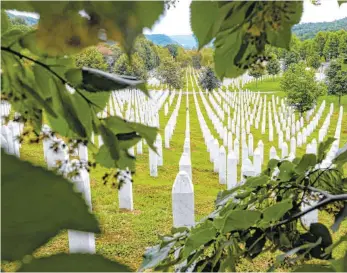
(189, 213)
(139, 107)
(183, 189)
(168, 104)
(301, 138)
(171, 124)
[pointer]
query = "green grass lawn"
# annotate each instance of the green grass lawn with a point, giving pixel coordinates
(125, 235)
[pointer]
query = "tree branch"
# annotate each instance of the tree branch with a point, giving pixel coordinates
(330, 199)
(45, 66)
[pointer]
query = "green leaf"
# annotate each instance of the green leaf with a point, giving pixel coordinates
(284, 241)
(200, 235)
(275, 212)
(103, 157)
(4, 22)
(84, 113)
(43, 80)
(121, 126)
(111, 141)
(205, 30)
(241, 39)
(154, 255)
(45, 105)
(286, 171)
(237, 219)
(341, 159)
(32, 207)
(74, 76)
(314, 268)
(95, 80)
(281, 38)
(126, 160)
(29, 41)
(321, 231)
(73, 263)
(63, 103)
(257, 181)
(272, 164)
(323, 148)
(339, 217)
(307, 161)
(99, 100)
(10, 37)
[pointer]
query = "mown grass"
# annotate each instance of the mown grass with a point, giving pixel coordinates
(125, 235)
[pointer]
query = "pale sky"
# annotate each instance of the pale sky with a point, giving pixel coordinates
(176, 21)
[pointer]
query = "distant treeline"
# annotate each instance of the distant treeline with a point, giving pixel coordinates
(309, 30)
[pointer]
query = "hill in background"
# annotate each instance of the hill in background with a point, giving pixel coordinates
(309, 30)
(30, 21)
(161, 39)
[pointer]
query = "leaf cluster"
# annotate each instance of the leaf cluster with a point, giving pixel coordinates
(260, 215)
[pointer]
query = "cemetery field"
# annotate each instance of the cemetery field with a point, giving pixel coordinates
(126, 234)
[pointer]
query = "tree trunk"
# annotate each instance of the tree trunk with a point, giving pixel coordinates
(340, 99)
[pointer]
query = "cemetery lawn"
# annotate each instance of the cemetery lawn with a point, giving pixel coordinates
(125, 235)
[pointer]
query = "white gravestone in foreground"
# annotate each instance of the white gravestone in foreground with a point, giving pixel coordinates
(80, 241)
(183, 201)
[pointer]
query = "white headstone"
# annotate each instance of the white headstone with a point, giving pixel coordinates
(231, 170)
(222, 165)
(185, 165)
(183, 201)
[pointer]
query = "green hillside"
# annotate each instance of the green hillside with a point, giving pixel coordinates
(309, 30)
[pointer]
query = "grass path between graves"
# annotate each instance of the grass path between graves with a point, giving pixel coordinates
(125, 235)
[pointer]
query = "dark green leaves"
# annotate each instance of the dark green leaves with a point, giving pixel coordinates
(95, 80)
(33, 212)
(254, 182)
(242, 29)
(237, 219)
(275, 212)
(286, 171)
(199, 236)
(205, 29)
(321, 231)
(341, 159)
(307, 161)
(121, 126)
(4, 22)
(323, 148)
(62, 101)
(73, 263)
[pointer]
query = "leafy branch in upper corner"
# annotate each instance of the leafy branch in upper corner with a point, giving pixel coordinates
(242, 30)
(260, 215)
(37, 86)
